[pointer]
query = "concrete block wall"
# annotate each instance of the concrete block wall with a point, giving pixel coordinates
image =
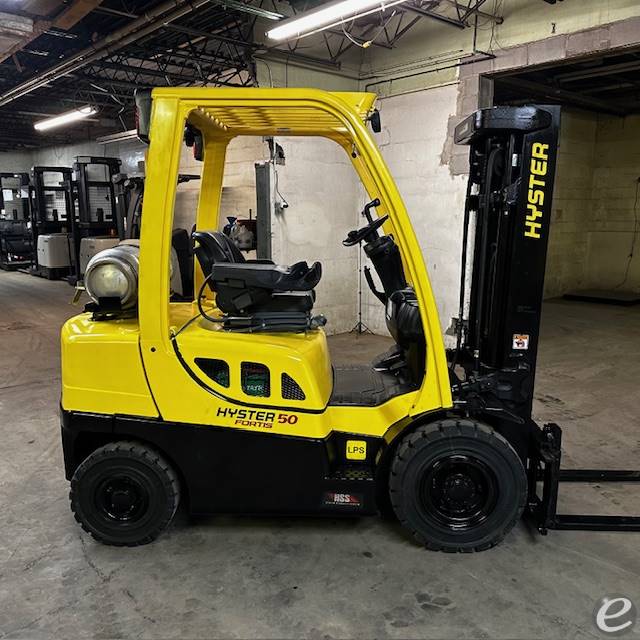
(15, 162)
(593, 217)
(615, 205)
(322, 190)
(572, 204)
(187, 193)
(532, 33)
(415, 130)
(239, 185)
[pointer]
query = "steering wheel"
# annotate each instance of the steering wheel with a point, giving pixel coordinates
(358, 235)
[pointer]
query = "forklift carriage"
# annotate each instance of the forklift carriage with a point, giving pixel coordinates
(230, 401)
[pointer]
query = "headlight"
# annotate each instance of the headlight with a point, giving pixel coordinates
(113, 273)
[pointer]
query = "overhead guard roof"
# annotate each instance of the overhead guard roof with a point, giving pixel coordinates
(242, 111)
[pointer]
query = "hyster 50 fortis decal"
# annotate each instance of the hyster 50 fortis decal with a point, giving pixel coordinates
(536, 193)
(256, 417)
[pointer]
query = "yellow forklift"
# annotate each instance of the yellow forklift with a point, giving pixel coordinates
(230, 403)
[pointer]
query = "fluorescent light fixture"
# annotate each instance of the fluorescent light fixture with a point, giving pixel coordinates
(65, 118)
(326, 17)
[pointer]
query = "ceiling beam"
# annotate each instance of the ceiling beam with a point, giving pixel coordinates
(70, 16)
(425, 13)
(74, 13)
(482, 14)
(562, 95)
(146, 71)
(191, 31)
(472, 9)
(236, 5)
(156, 18)
(596, 72)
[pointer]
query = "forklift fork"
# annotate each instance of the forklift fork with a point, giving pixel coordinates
(544, 466)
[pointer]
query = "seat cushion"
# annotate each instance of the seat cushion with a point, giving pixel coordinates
(298, 277)
(245, 301)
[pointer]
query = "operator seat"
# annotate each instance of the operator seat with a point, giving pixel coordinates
(215, 246)
(255, 288)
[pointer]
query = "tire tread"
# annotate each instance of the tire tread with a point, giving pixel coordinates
(135, 450)
(432, 432)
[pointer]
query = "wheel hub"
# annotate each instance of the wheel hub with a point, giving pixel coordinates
(121, 499)
(459, 491)
(459, 488)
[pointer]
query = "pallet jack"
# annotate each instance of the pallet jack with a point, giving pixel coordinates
(231, 402)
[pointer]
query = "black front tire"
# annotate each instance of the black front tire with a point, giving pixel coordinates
(124, 494)
(457, 485)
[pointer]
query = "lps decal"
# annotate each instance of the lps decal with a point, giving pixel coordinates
(356, 450)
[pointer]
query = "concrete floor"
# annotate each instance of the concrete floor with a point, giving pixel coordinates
(285, 578)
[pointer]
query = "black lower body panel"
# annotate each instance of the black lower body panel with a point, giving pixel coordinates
(228, 470)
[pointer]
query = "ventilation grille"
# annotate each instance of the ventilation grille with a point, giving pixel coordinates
(217, 370)
(255, 379)
(291, 389)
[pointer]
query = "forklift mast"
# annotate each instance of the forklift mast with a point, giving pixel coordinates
(52, 204)
(512, 165)
(512, 159)
(14, 196)
(52, 211)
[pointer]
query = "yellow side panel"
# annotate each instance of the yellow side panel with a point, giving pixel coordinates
(371, 421)
(302, 356)
(102, 369)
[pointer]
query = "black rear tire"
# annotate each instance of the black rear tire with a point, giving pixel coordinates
(457, 485)
(124, 494)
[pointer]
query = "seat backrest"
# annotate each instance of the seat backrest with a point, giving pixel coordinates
(211, 247)
(229, 247)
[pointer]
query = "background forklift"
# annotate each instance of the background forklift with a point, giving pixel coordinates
(96, 225)
(129, 196)
(231, 401)
(16, 241)
(52, 210)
